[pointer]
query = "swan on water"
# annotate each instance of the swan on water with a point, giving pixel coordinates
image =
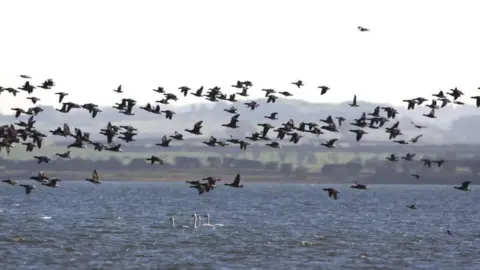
(194, 221)
(173, 223)
(208, 222)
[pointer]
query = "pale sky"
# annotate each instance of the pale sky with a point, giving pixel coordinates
(90, 47)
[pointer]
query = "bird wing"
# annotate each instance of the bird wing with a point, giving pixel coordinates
(235, 118)
(359, 136)
(236, 181)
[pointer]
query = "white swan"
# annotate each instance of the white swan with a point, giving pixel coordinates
(194, 221)
(211, 225)
(173, 223)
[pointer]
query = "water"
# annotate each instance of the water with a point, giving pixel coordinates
(125, 226)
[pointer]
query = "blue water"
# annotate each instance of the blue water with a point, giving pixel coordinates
(125, 226)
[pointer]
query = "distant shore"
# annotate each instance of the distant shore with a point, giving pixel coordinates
(247, 176)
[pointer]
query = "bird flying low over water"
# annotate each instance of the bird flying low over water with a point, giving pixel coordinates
(464, 186)
(359, 186)
(26, 134)
(333, 193)
(236, 182)
(10, 182)
(94, 178)
(28, 188)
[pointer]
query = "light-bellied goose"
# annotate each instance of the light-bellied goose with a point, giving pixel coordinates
(95, 178)
(10, 181)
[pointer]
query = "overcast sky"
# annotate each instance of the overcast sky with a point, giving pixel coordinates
(90, 47)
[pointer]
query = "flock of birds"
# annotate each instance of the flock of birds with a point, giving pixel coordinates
(24, 132)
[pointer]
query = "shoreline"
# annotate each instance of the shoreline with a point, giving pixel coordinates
(247, 176)
(250, 182)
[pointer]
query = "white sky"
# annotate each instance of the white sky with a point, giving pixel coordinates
(90, 47)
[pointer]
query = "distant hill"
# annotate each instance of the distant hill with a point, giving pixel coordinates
(453, 124)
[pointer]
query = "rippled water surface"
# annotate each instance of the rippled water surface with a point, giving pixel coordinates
(126, 226)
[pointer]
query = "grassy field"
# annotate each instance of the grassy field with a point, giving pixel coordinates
(18, 153)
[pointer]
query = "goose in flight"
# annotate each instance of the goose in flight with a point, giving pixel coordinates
(177, 136)
(426, 162)
(64, 155)
(417, 126)
(439, 162)
(52, 183)
(114, 148)
(94, 178)
(431, 114)
(411, 103)
(33, 99)
(354, 102)
(415, 139)
(359, 133)
(272, 116)
(154, 159)
(285, 93)
(27, 87)
(409, 157)
(61, 95)
(332, 192)
(268, 92)
(363, 29)
(42, 159)
(201, 187)
(236, 182)
(298, 83)
(231, 110)
(330, 143)
(184, 90)
(477, 100)
(165, 142)
(119, 89)
(464, 186)
(233, 122)
(196, 128)
(10, 182)
(28, 188)
(324, 89)
(455, 93)
(271, 99)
